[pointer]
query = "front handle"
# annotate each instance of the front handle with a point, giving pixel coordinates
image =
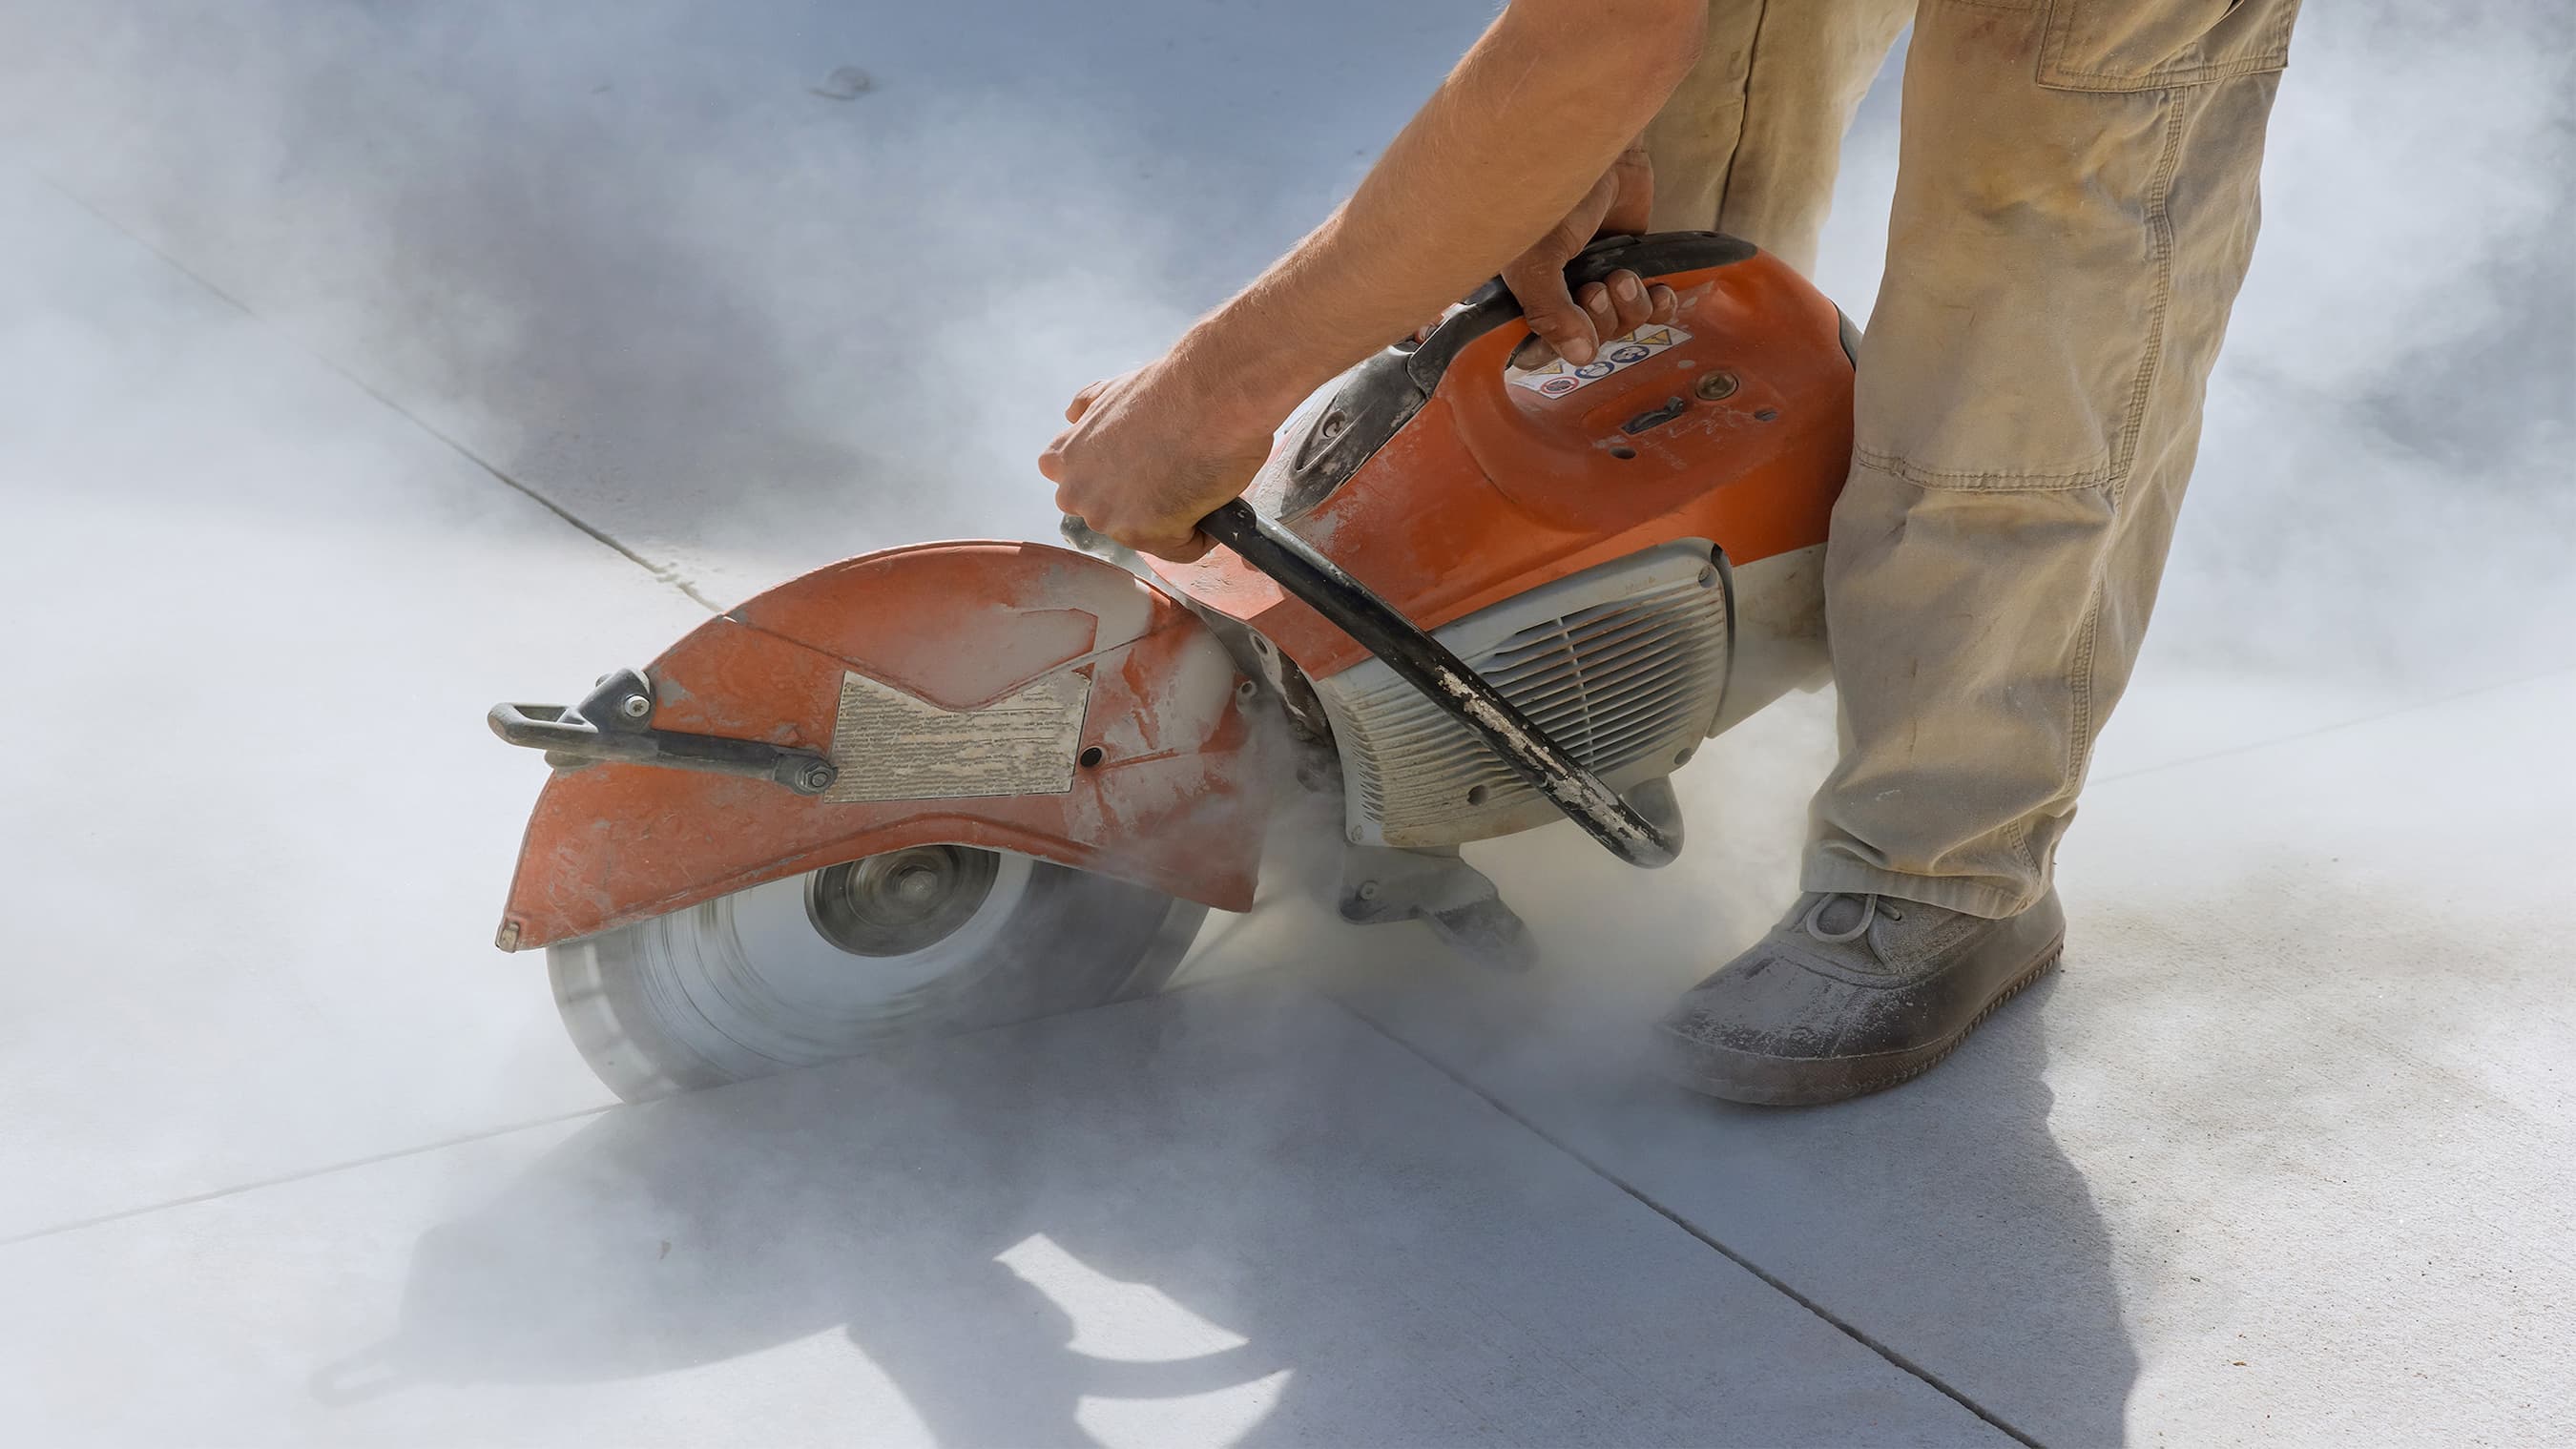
(613, 726)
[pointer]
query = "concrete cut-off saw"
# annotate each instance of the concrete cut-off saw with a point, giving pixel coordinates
(951, 785)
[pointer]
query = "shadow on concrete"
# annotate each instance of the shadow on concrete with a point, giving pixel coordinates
(1941, 1219)
(884, 1199)
(1944, 1220)
(1246, 1195)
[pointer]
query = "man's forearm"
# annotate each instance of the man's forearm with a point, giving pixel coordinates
(1510, 143)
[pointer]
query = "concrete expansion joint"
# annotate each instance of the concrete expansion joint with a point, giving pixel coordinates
(1643, 1199)
(665, 573)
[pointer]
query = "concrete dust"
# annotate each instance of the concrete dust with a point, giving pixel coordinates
(745, 322)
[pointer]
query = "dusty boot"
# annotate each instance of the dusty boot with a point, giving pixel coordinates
(1850, 994)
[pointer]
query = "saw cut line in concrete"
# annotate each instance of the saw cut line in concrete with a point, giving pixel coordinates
(1592, 1165)
(282, 1179)
(665, 573)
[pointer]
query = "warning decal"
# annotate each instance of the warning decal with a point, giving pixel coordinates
(1556, 379)
(892, 746)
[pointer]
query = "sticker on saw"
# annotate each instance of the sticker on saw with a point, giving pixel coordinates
(892, 746)
(1560, 377)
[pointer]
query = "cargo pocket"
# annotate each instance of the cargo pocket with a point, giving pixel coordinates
(2138, 45)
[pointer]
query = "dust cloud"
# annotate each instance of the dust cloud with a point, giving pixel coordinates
(669, 267)
(655, 262)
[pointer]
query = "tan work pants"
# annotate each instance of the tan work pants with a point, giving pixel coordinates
(2075, 208)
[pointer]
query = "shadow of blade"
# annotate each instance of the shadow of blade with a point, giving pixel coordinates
(1235, 1215)
(882, 1197)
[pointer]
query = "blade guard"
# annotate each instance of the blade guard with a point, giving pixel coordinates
(1012, 696)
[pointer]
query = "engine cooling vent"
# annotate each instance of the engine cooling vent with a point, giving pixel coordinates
(1624, 664)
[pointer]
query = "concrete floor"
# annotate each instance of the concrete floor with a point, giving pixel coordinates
(2284, 1156)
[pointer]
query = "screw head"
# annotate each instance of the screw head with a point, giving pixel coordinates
(1246, 690)
(1368, 890)
(635, 706)
(818, 776)
(1714, 385)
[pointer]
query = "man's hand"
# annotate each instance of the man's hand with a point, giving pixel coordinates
(1574, 327)
(1145, 458)
(1514, 141)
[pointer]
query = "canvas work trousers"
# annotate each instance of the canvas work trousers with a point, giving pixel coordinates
(2075, 207)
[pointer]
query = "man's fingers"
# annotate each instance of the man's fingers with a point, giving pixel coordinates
(1568, 333)
(1184, 548)
(1083, 400)
(1180, 546)
(1604, 313)
(1659, 305)
(1554, 317)
(1628, 299)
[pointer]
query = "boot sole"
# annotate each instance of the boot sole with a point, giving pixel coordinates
(1761, 1081)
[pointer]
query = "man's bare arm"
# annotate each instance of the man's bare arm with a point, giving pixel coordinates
(1517, 137)
(1522, 130)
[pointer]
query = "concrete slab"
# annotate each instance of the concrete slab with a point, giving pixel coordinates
(2254, 1172)
(1236, 1215)
(257, 835)
(2283, 1157)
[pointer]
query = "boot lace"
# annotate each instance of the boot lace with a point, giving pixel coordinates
(1871, 907)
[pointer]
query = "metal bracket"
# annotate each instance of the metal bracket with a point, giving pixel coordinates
(1655, 800)
(1456, 900)
(613, 725)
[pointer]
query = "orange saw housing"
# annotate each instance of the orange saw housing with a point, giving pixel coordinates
(1467, 489)
(1437, 476)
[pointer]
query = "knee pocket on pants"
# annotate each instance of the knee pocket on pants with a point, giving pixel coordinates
(2022, 323)
(2135, 45)
(2038, 397)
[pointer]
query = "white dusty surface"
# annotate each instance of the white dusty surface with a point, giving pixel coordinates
(252, 815)
(290, 1155)
(2286, 1153)
(1235, 1215)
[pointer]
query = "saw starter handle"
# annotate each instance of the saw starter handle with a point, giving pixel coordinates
(1444, 678)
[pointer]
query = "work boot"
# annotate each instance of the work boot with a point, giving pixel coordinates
(1851, 994)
